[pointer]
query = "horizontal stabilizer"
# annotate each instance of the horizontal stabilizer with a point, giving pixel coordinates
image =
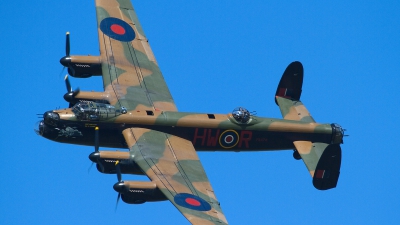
(322, 161)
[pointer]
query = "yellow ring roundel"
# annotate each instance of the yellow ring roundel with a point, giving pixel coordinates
(229, 139)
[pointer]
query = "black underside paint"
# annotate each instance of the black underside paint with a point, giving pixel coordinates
(203, 139)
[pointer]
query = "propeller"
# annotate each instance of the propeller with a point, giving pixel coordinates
(67, 45)
(70, 95)
(67, 83)
(96, 154)
(119, 177)
(96, 139)
(66, 60)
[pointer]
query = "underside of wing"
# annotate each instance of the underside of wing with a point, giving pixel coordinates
(172, 164)
(131, 75)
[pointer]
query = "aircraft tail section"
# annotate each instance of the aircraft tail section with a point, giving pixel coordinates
(322, 160)
(288, 94)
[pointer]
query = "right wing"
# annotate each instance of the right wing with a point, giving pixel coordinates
(172, 163)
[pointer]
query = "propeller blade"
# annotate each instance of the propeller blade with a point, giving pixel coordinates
(119, 176)
(119, 181)
(76, 92)
(67, 83)
(62, 71)
(90, 167)
(67, 45)
(70, 95)
(116, 204)
(96, 139)
(95, 156)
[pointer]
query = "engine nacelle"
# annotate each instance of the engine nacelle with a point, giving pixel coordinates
(82, 66)
(127, 167)
(77, 96)
(138, 192)
(105, 162)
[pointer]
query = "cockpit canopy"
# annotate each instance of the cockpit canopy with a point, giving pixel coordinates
(93, 111)
(241, 115)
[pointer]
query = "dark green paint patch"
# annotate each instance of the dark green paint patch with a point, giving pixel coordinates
(194, 170)
(110, 72)
(101, 14)
(154, 82)
(125, 4)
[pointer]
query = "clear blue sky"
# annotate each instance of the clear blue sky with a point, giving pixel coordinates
(215, 55)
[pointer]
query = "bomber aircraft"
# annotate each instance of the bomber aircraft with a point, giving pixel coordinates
(137, 112)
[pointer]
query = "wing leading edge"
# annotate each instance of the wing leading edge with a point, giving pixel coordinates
(131, 75)
(172, 163)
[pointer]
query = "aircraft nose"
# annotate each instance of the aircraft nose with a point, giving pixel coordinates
(65, 61)
(39, 127)
(51, 118)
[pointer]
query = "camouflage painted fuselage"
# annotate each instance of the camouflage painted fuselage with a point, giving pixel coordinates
(207, 132)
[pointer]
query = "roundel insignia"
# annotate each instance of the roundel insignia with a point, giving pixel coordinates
(117, 29)
(228, 139)
(192, 202)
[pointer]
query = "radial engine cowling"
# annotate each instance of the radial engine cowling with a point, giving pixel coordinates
(138, 192)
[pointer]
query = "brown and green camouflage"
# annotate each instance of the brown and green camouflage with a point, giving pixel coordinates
(136, 112)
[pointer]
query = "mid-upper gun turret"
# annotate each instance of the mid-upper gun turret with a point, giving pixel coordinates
(241, 115)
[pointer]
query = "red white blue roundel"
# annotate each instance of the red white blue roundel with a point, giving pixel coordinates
(192, 202)
(117, 29)
(228, 139)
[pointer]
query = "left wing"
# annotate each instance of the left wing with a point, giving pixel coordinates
(172, 163)
(131, 76)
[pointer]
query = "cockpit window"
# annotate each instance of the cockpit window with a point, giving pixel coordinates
(94, 111)
(241, 115)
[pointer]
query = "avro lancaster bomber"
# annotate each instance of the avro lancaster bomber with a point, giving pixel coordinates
(137, 112)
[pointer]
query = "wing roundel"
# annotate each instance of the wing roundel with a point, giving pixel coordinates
(117, 29)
